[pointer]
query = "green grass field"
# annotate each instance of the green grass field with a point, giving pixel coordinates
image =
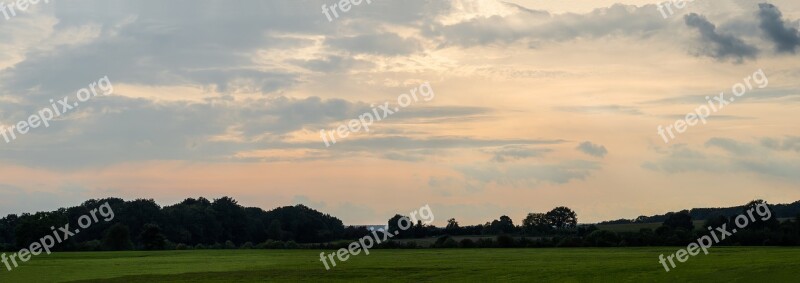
(756, 264)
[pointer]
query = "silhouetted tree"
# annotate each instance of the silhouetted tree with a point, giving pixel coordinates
(536, 223)
(562, 217)
(118, 238)
(679, 220)
(151, 238)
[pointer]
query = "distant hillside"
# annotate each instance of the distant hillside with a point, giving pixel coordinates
(790, 210)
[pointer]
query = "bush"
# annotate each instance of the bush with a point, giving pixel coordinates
(505, 241)
(467, 243)
(152, 238)
(602, 238)
(485, 243)
(272, 244)
(570, 242)
(247, 246)
(183, 246)
(169, 245)
(229, 245)
(90, 246)
(440, 242)
(118, 238)
(291, 245)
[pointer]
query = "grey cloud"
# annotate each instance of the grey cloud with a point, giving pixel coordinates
(406, 143)
(164, 43)
(714, 117)
(538, 25)
(621, 109)
(426, 113)
(719, 46)
(730, 145)
(681, 158)
(516, 152)
(756, 95)
(381, 44)
(786, 39)
(592, 149)
(790, 143)
(768, 158)
(115, 128)
(333, 64)
(525, 174)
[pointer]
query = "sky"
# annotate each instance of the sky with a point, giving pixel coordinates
(537, 104)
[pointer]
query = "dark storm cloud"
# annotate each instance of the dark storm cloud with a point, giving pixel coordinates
(719, 46)
(785, 38)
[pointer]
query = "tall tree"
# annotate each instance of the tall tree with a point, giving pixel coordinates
(536, 223)
(118, 238)
(562, 217)
(151, 238)
(679, 220)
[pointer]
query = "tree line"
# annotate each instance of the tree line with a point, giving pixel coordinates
(224, 224)
(143, 224)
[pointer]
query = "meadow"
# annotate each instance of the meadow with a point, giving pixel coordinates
(736, 264)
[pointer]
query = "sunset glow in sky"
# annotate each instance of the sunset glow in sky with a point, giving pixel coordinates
(538, 104)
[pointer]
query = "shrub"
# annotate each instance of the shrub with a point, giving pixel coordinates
(291, 245)
(466, 243)
(570, 242)
(505, 241)
(602, 238)
(182, 247)
(247, 245)
(485, 243)
(169, 245)
(229, 245)
(270, 244)
(450, 243)
(90, 246)
(440, 241)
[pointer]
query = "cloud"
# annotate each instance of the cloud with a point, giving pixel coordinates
(730, 145)
(719, 46)
(789, 143)
(115, 128)
(592, 149)
(768, 158)
(528, 174)
(786, 39)
(601, 109)
(380, 44)
(333, 64)
(516, 152)
(518, 23)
